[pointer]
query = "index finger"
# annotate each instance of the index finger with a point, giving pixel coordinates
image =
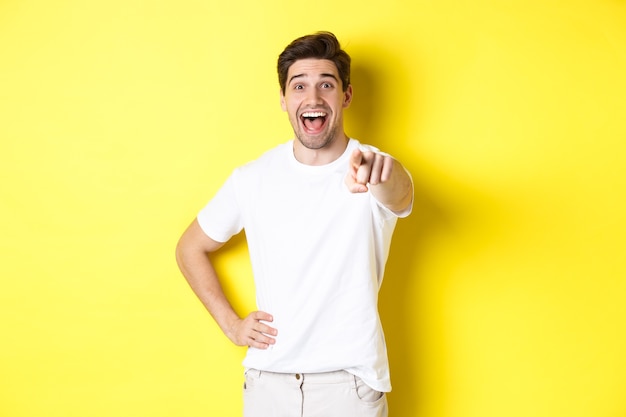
(356, 158)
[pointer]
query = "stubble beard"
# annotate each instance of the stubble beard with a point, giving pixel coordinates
(316, 142)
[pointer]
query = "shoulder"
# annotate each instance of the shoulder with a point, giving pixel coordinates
(355, 144)
(273, 155)
(271, 161)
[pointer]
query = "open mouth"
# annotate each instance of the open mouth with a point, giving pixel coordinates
(313, 121)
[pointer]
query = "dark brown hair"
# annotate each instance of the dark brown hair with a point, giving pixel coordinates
(321, 45)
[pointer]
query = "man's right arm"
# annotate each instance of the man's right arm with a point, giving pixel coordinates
(192, 255)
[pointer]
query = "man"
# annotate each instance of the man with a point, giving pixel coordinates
(318, 212)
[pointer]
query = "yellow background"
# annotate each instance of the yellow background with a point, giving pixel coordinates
(505, 292)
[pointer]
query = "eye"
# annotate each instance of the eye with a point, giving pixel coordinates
(327, 85)
(298, 87)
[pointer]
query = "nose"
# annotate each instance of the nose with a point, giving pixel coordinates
(313, 97)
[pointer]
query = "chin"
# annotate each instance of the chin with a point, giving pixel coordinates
(319, 141)
(316, 143)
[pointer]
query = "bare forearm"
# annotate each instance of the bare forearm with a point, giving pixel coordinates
(396, 192)
(203, 280)
(192, 255)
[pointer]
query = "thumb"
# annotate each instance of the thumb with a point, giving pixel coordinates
(356, 158)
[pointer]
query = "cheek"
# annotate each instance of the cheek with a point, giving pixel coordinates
(293, 114)
(292, 109)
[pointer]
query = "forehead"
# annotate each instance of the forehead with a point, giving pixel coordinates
(312, 67)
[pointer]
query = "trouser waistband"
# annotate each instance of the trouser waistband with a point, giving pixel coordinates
(334, 377)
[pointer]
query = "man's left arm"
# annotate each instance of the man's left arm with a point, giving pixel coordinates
(387, 179)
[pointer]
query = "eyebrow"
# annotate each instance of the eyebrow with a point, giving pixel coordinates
(324, 75)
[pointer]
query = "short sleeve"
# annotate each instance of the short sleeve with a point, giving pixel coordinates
(222, 217)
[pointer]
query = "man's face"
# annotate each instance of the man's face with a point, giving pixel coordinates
(314, 100)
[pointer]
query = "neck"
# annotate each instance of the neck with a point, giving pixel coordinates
(321, 156)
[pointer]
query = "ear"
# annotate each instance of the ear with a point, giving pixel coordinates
(283, 105)
(347, 97)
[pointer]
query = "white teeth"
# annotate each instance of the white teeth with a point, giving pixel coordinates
(313, 114)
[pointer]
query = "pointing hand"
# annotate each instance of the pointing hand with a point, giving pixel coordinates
(367, 167)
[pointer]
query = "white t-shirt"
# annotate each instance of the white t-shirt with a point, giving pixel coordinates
(318, 254)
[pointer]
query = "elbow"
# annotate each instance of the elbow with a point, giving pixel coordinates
(179, 253)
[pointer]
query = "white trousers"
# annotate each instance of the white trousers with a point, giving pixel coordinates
(330, 394)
